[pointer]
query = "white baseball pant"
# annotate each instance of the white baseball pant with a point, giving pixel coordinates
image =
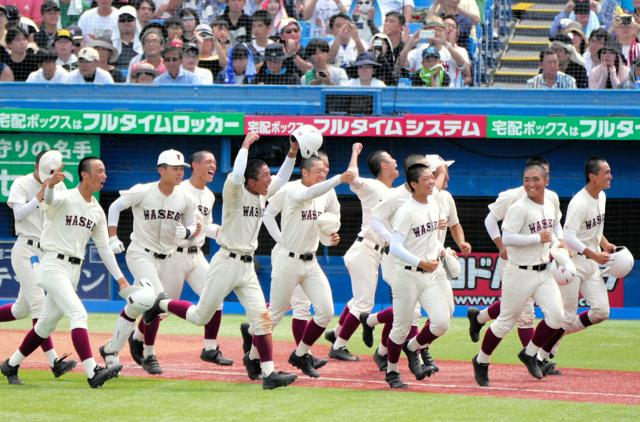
(588, 282)
(30, 298)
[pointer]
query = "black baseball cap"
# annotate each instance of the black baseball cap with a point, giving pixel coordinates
(49, 6)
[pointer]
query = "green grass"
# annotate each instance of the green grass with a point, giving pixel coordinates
(612, 345)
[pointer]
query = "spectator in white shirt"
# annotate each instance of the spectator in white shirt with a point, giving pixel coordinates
(322, 72)
(49, 71)
(143, 73)
(365, 65)
(347, 43)
(100, 22)
(190, 59)
(88, 70)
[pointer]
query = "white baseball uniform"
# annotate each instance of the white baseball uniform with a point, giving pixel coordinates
(584, 227)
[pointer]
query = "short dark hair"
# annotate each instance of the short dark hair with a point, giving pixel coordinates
(536, 166)
(316, 44)
(198, 156)
(537, 159)
(411, 160)
(40, 154)
(173, 21)
(85, 165)
(253, 169)
(375, 159)
(14, 33)
(414, 172)
(397, 15)
(599, 33)
(170, 49)
(545, 53)
(307, 163)
(592, 166)
(188, 11)
(333, 18)
(262, 16)
(138, 3)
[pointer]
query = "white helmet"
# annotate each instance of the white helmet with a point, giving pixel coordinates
(620, 263)
(142, 299)
(309, 138)
(49, 163)
(563, 274)
(328, 223)
(452, 264)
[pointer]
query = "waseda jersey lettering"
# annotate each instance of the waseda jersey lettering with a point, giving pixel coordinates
(541, 225)
(249, 211)
(161, 215)
(424, 228)
(80, 221)
(594, 222)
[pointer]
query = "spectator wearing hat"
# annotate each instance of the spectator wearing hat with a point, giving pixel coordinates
(152, 39)
(190, 20)
(108, 56)
(6, 75)
(239, 23)
(365, 65)
(319, 12)
(571, 63)
(100, 22)
(88, 71)
(22, 59)
(432, 74)
(128, 43)
(611, 73)
(27, 8)
(578, 38)
(175, 74)
(213, 52)
(550, 77)
(241, 68)
(626, 31)
(50, 16)
(143, 73)
(289, 31)
(578, 11)
(15, 19)
(273, 71)
(50, 71)
(597, 40)
(346, 45)
(322, 72)
(389, 71)
(63, 47)
(190, 59)
(260, 30)
(77, 39)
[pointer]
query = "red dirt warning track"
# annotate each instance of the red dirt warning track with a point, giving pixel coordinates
(179, 357)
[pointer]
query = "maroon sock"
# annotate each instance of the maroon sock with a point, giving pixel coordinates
(543, 334)
(151, 331)
(124, 315)
(413, 331)
(494, 310)
(553, 340)
(30, 342)
(141, 326)
(265, 347)
(385, 315)
(349, 326)
(6, 314)
(179, 308)
(584, 319)
(312, 332)
(212, 328)
(386, 330)
(297, 328)
(425, 336)
(47, 344)
(343, 315)
(393, 351)
(525, 334)
(490, 342)
(80, 339)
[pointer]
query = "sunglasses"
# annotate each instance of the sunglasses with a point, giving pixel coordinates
(126, 18)
(291, 31)
(147, 74)
(171, 59)
(361, 2)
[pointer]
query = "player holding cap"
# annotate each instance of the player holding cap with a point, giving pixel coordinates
(527, 232)
(243, 200)
(25, 199)
(71, 218)
(162, 216)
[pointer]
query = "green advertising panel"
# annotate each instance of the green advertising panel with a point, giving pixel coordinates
(18, 155)
(600, 128)
(121, 122)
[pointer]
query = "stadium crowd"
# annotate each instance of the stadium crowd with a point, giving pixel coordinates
(312, 42)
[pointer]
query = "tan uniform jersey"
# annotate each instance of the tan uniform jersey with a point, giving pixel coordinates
(204, 200)
(529, 218)
(508, 197)
(585, 216)
(23, 190)
(370, 192)
(419, 223)
(155, 215)
(69, 223)
(448, 211)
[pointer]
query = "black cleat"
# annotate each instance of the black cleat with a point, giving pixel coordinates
(304, 363)
(318, 363)
(394, 381)
(215, 356)
(103, 375)
(62, 366)
(474, 325)
(367, 332)
(155, 310)
(380, 360)
(342, 354)
(330, 336)
(252, 366)
(11, 372)
(415, 366)
(548, 368)
(531, 362)
(151, 365)
(481, 372)
(278, 379)
(247, 339)
(428, 361)
(135, 348)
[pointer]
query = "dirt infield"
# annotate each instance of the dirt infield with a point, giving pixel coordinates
(178, 356)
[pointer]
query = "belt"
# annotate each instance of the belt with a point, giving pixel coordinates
(31, 242)
(157, 255)
(539, 267)
(71, 259)
(581, 254)
(190, 249)
(302, 257)
(418, 269)
(244, 258)
(372, 244)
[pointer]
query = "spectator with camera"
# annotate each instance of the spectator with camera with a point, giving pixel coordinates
(388, 70)
(346, 46)
(612, 72)
(364, 19)
(319, 12)
(465, 13)
(625, 31)
(322, 72)
(579, 11)
(274, 71)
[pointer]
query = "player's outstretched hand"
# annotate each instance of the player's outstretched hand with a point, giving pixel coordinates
(294, 147)
(347, 177)
(56, 177)
(116, 245)
(250, 139)
(356, 148)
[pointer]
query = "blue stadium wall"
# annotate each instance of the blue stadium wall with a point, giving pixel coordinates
(483, 167)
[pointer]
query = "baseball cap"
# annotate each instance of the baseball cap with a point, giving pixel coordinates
(430, 52)
(286, 22)
(62, 34)
(204, 30)
(49, 6)
(89, 54)
(220, 22)
(48, 164)
(191, 47)
(365, 58)
(275, 52)
(12, 13)
(582, 7)
(328, 223)
(127, 10)
(76, 33)
(435, 161)
(171, 157)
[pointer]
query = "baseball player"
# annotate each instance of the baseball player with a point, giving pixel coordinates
(497, 211)
(244, 195)
(364, 256)
(25, 197)
(162, 216)
(71, 218)
(416, 245)
(294, 262)
(583, 228)
(527, 232)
